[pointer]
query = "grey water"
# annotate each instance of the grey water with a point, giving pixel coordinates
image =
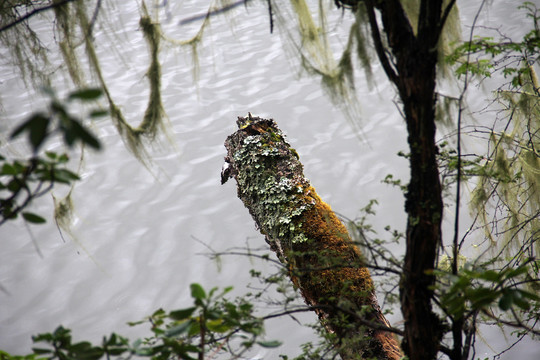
(139, 236)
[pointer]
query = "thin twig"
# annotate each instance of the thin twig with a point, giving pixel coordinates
(212, 12)
(270, 16)
(32, 13)
(94, 19)
(377, 41)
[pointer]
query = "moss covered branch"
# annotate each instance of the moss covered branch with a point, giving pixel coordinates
(308, 238)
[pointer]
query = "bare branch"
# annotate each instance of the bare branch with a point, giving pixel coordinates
(32, 13)
(377, 41)
(212, 12)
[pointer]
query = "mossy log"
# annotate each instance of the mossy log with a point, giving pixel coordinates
(304, 232)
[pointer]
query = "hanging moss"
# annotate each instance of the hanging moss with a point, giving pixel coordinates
(337, 77)
(66, 25)
(311, 44)
(307, 236)
(154, 116)
(191, 43)
(63, 216)
(361, 33)
(63, 213)
(28, 53)
(530, 162)
(508, 188)
(450, 37)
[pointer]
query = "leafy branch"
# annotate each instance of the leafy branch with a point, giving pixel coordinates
(22, 181)
(212, 325)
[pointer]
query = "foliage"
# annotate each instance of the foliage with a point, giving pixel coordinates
(499, 286)
(213, 325)
(21, 181)
(478, 289)
(508, 57)
(506, 195)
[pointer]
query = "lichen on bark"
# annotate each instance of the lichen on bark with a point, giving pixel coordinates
(324, 264)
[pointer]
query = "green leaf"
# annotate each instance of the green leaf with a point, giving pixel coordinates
(14, 185)
(86, 94)
(135, 323)
(98, 113)
(8, 169)
(516, 272)
(117, 350)
(218, 326)
(84, 135)
(63, 334)
(41, 351)
(20, 129)
(37, 127)
(181, 314)
(46, 337)
(269, 344)
(481, 297)
(33, 218)
(85, 351)
(197, 291)
(519, 300)
(82, 346)
(51, 155)
(529, 295)
(214, 314)
(69, 135)
(212, 292)
(138, 349)
(194, 329)
(63, 158)
(490, 275)
(180, 329)
(111, 341)
(64, 176)
(455, 303)
(158, 313)
(59, 108)
(506, 300)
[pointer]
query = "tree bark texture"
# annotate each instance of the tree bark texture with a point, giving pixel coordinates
(308, 238)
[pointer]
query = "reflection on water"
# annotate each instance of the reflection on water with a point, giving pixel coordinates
(137, 233)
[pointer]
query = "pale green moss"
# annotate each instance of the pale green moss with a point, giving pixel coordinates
(509, 187)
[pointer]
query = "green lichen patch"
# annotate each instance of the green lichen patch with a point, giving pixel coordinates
(281, 200)
(270, 179)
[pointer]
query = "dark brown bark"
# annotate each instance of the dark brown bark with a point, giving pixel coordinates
(412, 68)
(309, 239)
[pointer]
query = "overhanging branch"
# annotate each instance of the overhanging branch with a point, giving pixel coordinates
(377, 42)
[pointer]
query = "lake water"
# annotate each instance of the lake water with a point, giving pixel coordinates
(139, 234)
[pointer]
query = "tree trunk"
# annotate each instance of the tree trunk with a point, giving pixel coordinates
(412, 68)
(308, 238)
